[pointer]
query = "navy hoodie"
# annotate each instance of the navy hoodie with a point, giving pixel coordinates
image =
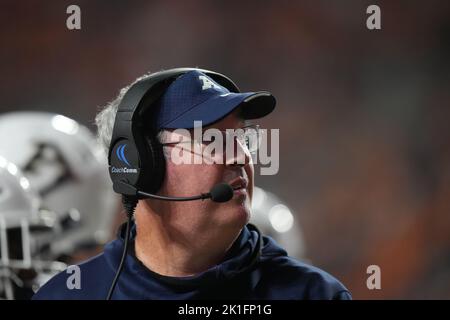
(255, 267)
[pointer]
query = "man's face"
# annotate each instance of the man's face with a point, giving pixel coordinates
(194, 179)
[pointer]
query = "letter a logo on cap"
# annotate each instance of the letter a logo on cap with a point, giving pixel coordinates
(207, 83)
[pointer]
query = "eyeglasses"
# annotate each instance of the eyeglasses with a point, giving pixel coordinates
(248, 137)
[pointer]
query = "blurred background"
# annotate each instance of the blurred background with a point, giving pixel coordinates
(363, 114)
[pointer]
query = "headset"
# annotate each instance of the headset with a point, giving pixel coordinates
(136, 159)
(143, 166)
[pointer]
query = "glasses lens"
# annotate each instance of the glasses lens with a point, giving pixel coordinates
(251, 138)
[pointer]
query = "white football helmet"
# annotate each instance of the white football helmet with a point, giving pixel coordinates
(18, 202)
(65, 165)
(24, 231)
(276, 220)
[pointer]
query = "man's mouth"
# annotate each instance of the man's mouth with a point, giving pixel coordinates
(238, 183)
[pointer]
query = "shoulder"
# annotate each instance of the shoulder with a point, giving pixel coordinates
(87, 280)
(291, 279)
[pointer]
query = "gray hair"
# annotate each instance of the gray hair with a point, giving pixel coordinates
(104, 120)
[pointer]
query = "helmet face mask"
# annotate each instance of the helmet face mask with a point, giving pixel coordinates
(24, 231)
(63, 162)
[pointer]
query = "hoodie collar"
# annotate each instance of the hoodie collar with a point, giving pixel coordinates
(140, 282)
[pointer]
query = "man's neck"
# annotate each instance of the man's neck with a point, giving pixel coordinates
(168, 248)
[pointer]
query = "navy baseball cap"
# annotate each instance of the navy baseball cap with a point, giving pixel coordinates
(196, 97)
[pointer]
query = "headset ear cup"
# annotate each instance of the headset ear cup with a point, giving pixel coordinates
(156, 174)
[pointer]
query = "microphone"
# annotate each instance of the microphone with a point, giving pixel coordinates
(221, 192)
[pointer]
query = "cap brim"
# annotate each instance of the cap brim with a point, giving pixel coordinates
(254, 105)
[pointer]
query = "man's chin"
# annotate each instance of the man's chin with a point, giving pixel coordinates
(237, 214)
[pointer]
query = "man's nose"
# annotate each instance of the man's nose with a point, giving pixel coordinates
(237, 155)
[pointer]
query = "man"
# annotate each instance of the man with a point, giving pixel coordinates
(197, 249)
